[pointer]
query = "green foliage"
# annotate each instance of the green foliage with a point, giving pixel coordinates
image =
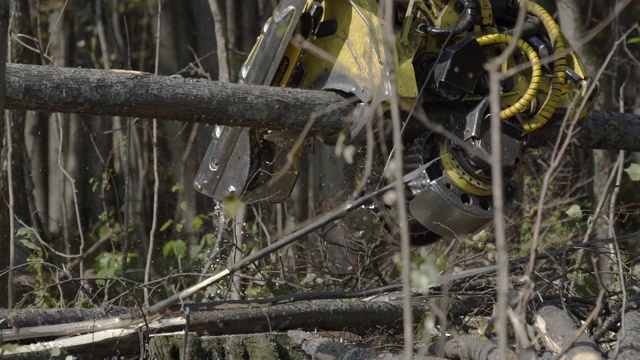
(633, 171)
(585, 284)
(574, 212)
(232, 205)
(8, 347)
(108, 265)
(177, 248)
(561, 222)
(424, 271)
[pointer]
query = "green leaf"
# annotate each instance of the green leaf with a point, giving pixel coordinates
(177, 247)
(424, 275)
(179, 227)
(194, 250)
(8, 347)
(232, 205)
(574, 212)
(180, 248)
(103, 231)
(251, 228)
(197, 223)
(340, 144)
(389, 197)
(166, 249)
(633, 171)
(166, 225)
(208, 240)
(176, 187)
(441, 263)
(348, 153)
(29, 244)
(104, 259)
(55, 352)
(633, 40)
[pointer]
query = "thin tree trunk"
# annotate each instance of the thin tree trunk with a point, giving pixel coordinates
(6, 237)
(223, 59)
(22, 208)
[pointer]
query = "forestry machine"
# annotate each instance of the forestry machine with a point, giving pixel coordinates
(441, 48)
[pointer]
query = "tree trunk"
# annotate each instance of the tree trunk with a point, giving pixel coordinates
(6, 242)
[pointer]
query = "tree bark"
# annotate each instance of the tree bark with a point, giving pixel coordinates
(21, 183)
(315, 314)
(469, 348)
(557, 331)
(5, 238)
(629, 337)
(121, 93)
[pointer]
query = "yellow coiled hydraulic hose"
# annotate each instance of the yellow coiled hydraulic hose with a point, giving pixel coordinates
(536, 71)
(559, 67)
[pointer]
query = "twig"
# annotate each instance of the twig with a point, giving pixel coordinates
(124, 321)
(389, 41)
(313, 225)
(559, 149)
(156, 179)
(55, 30)
(613, 320)
(102, 37)
(616, 249)
(72, 183)
(4, 31)
(218, 21)
(497, 183)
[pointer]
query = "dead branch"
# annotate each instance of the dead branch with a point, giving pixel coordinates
(318, 314)
(558, 330)
(135, 94)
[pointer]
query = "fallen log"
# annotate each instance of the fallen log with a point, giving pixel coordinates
(558, 331)
(136, 94)
(629, 336)
(320, 347)
(317, 314)
(466, 347)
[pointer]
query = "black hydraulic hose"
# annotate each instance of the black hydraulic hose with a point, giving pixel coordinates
(471, 9)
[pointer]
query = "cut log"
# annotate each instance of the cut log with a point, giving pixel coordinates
(629, 336)
(558, 331)
(469, 348)
(135, 94)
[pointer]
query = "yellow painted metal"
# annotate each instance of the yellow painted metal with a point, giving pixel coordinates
(459, 176)
(487, 12)
(352, 57)
(351, 60)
